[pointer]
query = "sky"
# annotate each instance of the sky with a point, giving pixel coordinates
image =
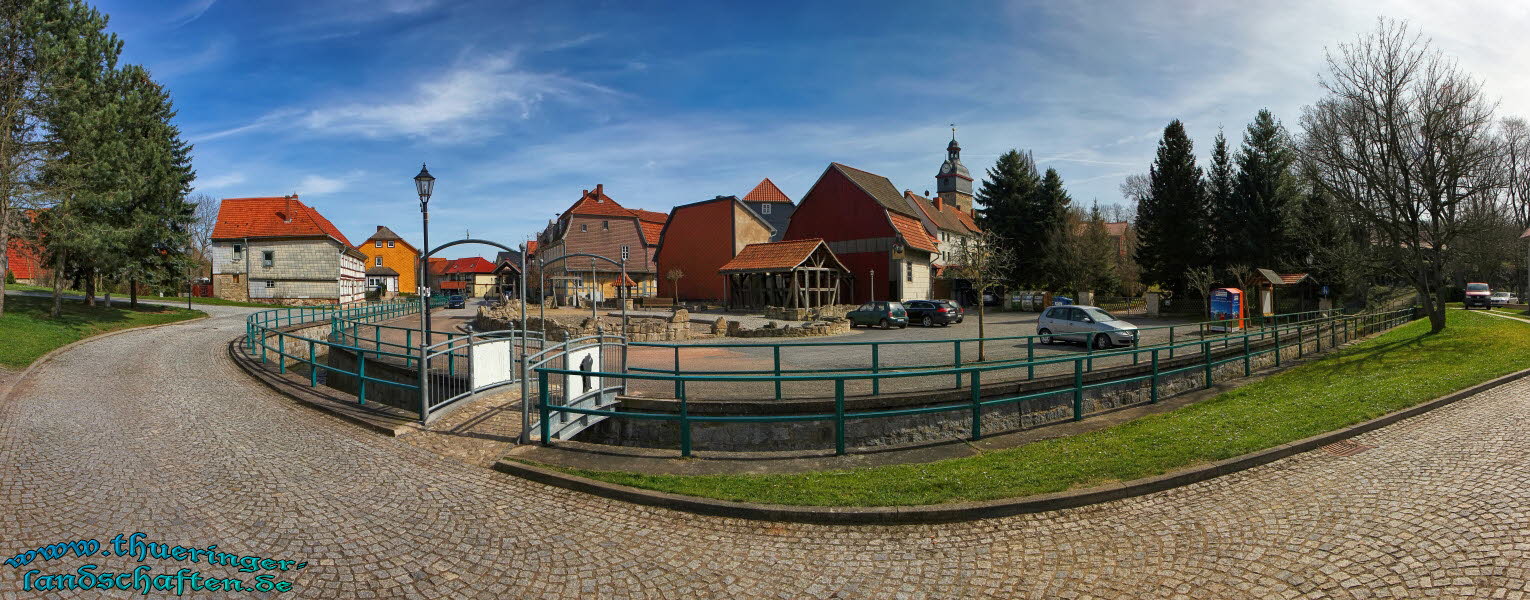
(519, 106)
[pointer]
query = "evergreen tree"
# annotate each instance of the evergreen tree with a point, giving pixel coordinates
(1097, 255)
(1049, 211)
(1265, 196)
(1006, 194)
(1172, 222)
(1220, 183)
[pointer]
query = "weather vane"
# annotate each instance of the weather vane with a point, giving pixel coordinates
(953, 132)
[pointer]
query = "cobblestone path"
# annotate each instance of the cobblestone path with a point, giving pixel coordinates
(155, 431)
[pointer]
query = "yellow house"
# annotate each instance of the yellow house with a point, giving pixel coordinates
(391, 262)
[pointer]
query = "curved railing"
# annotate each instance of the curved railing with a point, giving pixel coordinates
(1269, 339)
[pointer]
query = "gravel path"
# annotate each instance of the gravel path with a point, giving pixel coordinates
(155, 431)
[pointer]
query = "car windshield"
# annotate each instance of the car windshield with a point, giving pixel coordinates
(1476, 287)
(1500, 294)
(1099, 314)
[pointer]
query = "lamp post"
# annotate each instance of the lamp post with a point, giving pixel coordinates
(424, 184)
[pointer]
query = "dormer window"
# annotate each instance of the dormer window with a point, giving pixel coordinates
(764, 209)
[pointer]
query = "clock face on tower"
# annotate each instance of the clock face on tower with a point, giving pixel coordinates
(946, 168)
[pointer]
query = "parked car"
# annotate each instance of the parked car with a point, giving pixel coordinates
(455, 301)
(956, 307)
(1502, 298)
(932, 312)
(1478, 294)
(1088, 325)
(884, 314)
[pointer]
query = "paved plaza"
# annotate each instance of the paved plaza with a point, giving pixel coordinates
(156, 431)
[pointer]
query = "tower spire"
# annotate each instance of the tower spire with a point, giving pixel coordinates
(953, 132)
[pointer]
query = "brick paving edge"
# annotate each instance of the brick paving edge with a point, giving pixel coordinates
(969, 511)
(5, 393)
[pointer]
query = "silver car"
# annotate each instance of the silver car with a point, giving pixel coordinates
(1089, 325)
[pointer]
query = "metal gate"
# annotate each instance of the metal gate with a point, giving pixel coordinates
(464, 366)
(592, 355)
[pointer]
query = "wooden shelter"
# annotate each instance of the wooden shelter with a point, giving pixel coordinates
(791, 274)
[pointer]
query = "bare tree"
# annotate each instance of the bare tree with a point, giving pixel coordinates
(1200, 280)
(204, 217)
(985, 260)
(1404, 138)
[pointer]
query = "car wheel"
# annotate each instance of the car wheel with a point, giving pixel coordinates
(927, 322)
(884, 324)
(1046, 336)
(1101, 342)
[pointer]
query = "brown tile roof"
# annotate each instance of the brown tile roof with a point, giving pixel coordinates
(879, 188)
(913, 233)
(383, 233)
(1290, 278)
(943, 218)
(966, 219)
(775, 256)
(767, 191)
(277, 216)
(379, 271)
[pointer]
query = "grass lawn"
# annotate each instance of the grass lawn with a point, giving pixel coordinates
(1398, 369)
(27, 332)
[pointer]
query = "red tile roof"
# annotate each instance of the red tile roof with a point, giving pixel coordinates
(1290, 278)
(626, 281)
(453, 285)
(651, 232)
(531, 247)
(775, 256)
(913, 232)
(438, 265)
(966, 220)
(271, 217)
(766, 191)
(596, 203)
(471, 264)
(649, 216)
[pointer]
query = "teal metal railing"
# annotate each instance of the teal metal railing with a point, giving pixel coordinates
(1271, 337)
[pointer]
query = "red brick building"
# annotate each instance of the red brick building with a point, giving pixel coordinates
(873, 231)
(596, 224)
(23, 262)
(699, 239)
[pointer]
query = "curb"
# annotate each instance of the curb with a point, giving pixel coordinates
(968, 511)
(5, 393)
(276, 384)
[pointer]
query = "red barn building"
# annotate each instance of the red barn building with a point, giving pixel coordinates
(872, 229)
(699, 239)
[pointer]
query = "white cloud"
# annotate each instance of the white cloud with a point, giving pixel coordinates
(318, 185)
(191, 12)
(224, 180)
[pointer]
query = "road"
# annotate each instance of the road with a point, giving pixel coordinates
(156, 431)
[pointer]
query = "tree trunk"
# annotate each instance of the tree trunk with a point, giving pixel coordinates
(5, 262)
(58, 285)
(133, 293)
(982, 349)
(1437, 316)
(90, 287)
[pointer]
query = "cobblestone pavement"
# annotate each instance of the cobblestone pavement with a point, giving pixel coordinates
(155, 431)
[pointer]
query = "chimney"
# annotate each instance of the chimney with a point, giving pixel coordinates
(939, 203)
(287, 212)
(598, 187)
(379, 227)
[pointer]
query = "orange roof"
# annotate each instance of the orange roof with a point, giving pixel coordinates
(626, 282)
(651, 232)
(277, 216)
(966, 220)
(531, 247)
(595, 202)
(766, 191)
(913, 232)
(438, 265)
(649, 216)
(775, 256)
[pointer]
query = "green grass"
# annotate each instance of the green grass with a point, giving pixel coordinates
(123, 297)
(28, 332)
(1395, 370)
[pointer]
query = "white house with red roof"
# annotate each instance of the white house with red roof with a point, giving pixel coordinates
(278, 250)
(472, 277)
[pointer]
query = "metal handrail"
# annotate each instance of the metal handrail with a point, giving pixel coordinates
(1352, 326)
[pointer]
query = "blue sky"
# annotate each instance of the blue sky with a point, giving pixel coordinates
(519, 106)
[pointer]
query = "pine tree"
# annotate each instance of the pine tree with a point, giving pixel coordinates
(1220, 182)
(1265, 196)
(1097, 255)
(1172, 221)
(1049, 212)
(1006, 194)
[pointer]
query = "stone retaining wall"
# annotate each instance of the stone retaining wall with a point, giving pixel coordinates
(923, 428)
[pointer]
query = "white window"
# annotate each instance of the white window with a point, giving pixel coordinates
(390, 243)
(267, 258)
(378, 262)
(584, 227)
(764, 209)
(910, 269)
(376, 243)
(626, 253)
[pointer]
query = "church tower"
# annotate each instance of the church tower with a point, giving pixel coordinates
(953, 184)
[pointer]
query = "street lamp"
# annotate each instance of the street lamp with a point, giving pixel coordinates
(424, 184)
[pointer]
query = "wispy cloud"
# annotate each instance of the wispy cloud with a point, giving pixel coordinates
(319, 185)
(191, 12)
(220, 181)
